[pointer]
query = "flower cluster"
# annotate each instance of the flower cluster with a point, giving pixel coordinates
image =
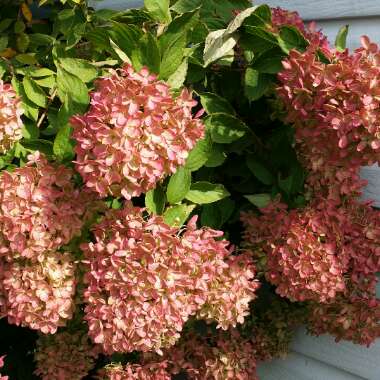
(1, 365)
(40, 294)
(230, 293)
(145, 280)
(355, 320)
(10, 117)
(335, 110)
(226, 355)
(40, 209)
(149, 371)
(134, 134)
(302, 256)
(65, 356)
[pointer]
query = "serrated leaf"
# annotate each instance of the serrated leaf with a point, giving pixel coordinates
(217, 157)
(30, 109)
(259, 200)
(70, 84)
(214, 103)
(211, 216)
(30, 131)
(237, 22)
(182, 6)
(80, 68)
(255, 84)
(179, 185)
(155, 200)
(217, 45)
(34, 92)
(159, 10)
(225, 128)
(172, 56)
(177, 79)
(260, 171)
(63, 147)
(205, 192)
(199, 154)
(269, 62)
(291, 38)
(341, 38)
(147, 54)
(43, 146)
(27, 58)
(177, 215)
(3, 42)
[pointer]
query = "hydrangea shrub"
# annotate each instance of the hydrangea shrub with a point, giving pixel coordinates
(180, 189)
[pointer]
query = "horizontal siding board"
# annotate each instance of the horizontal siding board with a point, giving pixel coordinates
(116, 4)
(357, 27)
(358, 360)
(328, 9)
(310, 10)
(299, 367)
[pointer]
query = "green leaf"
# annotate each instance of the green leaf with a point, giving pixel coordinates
(269, 62)
(43, 146)
(225, 128)
(217, 45)
(35, 72)
(205, 192)
(3, 42)
(217, 157)
(63, 147)
(293, 184)
(199, 154)
(48, 82)
(177, 79)
(4, 24)
(30, 131)
(80, 68)
(172, 57)
(177, 215)
(182, 6)
(260, 171)
(213, 103)
(70, 84)
(179, 185)
(147, 54)
(39, 39)
(27, 58)
(226, 207)
(126, 37)
(259, 200)
(291, 38)
(211, 216)
(3, 68)
(341, 38)
(30, 109)
(19, 27)
(22, 42)
(155, 200)
(34, 92)
(255, 84)
(258, 40)
(159, 10)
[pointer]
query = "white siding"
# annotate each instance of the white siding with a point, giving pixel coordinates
(320, 358)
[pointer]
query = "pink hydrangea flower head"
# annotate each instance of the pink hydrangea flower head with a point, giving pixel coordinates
(10, 117)
(64, 356)
(353, 320)
(230, 294)
(301, 258)
(145, 280)
(40, 294)
(40, 209)
(334, 108)
(134, 134)
(226, 355)
(149, 371)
